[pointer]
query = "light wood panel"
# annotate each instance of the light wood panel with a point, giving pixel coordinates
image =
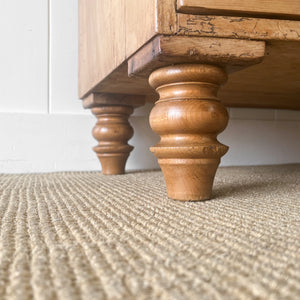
(166, 17)
(140, 25)
(111, 31)
(238, 27)
(101, 40)
(276, 8)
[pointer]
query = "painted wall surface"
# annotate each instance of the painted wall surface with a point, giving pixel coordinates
(43, 126)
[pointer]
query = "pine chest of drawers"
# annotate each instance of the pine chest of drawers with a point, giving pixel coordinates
(179, 53)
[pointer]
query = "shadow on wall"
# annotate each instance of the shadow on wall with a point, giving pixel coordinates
(141, 156)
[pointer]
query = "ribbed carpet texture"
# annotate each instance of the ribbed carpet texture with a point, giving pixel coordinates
(82, 235)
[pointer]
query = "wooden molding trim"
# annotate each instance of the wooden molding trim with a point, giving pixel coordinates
(166, 50)
(102, 99)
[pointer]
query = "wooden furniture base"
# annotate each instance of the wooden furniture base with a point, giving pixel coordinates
(188, 116)
(187, 72)
(185, 49)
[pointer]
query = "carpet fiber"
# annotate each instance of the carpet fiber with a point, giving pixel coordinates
(82, 235)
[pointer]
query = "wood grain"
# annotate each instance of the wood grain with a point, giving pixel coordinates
(101, 41)
(166, 17)
(140, 23)
(164, 50)
(188, 117)
(112, 130)
(101, 99)
(104, 51)
(283, 9)
(238, 27)
(111, 31)
(273, 83)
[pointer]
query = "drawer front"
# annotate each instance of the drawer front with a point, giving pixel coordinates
(281, 9)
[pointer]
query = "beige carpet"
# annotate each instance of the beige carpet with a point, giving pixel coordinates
(87, 236)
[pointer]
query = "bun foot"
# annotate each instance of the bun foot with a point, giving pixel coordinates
(188, 117)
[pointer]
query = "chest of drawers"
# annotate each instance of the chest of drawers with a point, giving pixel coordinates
(179, 53)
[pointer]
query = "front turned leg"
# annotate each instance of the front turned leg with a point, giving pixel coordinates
(188, 117)
(112, 131)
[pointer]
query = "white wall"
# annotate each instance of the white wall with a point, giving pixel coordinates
(43, 126)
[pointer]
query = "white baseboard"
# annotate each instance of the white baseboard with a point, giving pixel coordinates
(63, 142)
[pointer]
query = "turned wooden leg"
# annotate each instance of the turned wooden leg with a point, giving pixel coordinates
(188, 117)
(112, 131)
